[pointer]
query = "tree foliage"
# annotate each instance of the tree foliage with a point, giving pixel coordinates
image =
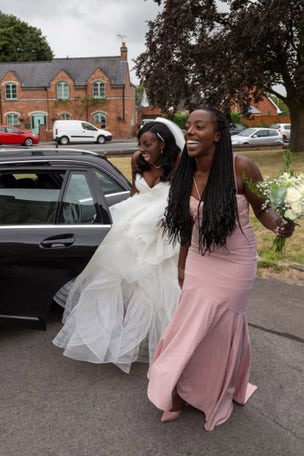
(197, 54)
(20, 42)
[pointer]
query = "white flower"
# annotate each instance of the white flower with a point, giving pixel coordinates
(292, 195)
(293, 213)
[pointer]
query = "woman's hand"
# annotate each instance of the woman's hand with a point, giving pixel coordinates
(284, 228)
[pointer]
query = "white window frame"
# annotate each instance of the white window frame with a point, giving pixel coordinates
(62, 90)
(12, 119)
(99, 89)
(10, 91)
(99, 118)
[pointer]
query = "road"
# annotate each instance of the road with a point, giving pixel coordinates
(54, 406)
(118, 147)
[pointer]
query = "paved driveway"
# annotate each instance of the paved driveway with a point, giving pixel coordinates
(54, 406)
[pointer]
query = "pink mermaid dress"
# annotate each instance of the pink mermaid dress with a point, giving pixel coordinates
(205, 351)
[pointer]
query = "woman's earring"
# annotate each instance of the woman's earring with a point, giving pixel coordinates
(161, 150)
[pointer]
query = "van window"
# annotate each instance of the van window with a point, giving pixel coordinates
(87, 126)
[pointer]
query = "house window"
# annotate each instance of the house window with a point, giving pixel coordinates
(99, 90)
(99, 118)
(65, 116)
(11, 91)
(62, 90)
(12, 119)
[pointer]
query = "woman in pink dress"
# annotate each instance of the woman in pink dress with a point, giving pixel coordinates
(203, 357)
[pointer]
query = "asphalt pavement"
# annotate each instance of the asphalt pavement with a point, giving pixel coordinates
(54, 406)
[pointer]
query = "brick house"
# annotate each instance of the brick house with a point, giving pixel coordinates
(265, 113)
(96, 89)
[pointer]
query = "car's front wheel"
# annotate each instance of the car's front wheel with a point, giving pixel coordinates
(100, 139)
(64, 140)
(28, 142)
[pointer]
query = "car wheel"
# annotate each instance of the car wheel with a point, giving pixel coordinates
(100, 140)
(28, 142)
(64, 140)
(284, 138)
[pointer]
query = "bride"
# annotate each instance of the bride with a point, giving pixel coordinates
(120, 304)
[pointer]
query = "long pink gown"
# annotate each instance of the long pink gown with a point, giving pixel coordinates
(205, 350)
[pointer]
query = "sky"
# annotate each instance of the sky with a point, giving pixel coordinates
(88, 28)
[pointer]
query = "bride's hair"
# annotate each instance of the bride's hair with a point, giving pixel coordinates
(170, 151)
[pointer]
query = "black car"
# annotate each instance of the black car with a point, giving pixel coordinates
(235, 129)
(54, 212)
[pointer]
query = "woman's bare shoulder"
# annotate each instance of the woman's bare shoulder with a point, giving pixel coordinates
(244, 165)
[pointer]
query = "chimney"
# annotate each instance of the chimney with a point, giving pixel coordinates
(123, 51)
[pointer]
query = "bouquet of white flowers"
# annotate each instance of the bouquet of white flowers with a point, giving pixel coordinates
(285, 194)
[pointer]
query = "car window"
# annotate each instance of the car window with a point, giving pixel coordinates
(78, 204)
(12, 130)
(273, 133)
(247, 132)
(25, 199)
(262, 133)
(108, 184)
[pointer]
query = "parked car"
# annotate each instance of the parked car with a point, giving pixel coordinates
(235, 129)
(283, 129)
(144, 121)
(17, 136)
(257, 136)
(54, 213)
(79, 131)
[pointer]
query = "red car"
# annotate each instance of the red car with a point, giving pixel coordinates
(14, 135)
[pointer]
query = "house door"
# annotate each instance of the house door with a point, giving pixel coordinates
(37, 119)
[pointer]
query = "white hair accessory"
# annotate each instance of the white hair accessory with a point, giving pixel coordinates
(175, 130)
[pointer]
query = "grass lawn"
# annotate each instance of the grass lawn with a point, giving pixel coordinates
(270, 162)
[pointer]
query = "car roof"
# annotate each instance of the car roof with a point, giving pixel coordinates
(26, 156)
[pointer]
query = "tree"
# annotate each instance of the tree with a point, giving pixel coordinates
(198, 54)
(19, 42)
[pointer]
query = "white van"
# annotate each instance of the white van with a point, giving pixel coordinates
(78, 131)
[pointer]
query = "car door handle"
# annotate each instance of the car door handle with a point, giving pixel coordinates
(57, 242)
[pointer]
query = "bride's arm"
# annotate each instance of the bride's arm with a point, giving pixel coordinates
(134, 168)
(183, 252)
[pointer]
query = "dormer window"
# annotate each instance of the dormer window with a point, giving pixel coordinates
(99, 89)
(11, 91)
(63, 90)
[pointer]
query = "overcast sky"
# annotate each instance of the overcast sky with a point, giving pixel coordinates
(87, 28)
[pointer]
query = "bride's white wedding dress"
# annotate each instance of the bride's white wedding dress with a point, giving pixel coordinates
(122, 301)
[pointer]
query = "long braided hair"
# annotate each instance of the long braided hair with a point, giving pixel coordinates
(219, 199)
(169, 154)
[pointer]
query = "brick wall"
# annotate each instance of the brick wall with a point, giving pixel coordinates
(119, 105)
(265, 120)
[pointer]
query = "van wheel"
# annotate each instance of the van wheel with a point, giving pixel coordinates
(100, 140)
(64, 140)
